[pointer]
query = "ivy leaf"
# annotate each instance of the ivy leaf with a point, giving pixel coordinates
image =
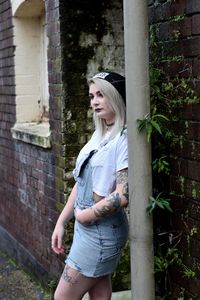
(156, 126)
(158, 202)
(160, 116)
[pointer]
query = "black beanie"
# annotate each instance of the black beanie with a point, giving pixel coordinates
(117, 80)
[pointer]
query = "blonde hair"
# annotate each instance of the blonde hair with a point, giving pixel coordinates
(115, 102)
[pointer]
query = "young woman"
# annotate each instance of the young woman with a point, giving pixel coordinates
(97, 198)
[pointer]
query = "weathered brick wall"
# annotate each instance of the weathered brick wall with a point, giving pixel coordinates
(34, 182)
(30, 176)
(178, 32)
(7, 111)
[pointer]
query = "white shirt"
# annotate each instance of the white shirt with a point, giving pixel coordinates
(111, 156)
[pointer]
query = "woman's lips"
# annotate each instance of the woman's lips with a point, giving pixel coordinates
(98, 110)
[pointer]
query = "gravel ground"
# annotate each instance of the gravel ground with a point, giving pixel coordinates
(16, 284)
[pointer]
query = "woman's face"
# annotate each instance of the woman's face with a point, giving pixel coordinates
(100, 105)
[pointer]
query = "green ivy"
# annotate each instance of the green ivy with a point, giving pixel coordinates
(158, 202)
(169, 97)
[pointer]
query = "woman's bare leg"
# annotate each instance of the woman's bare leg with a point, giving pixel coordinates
(102, 290)
(73, 285)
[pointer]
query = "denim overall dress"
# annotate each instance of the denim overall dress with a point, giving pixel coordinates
(96, 246)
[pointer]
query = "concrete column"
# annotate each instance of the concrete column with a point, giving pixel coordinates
(140, 179)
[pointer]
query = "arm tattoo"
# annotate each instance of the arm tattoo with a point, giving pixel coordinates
(125, 191)
(113, 204)
(122, 178)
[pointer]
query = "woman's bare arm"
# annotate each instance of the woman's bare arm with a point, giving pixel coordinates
(108, 205)
(66, 215)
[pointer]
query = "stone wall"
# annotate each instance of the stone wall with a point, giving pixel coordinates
(94, 43)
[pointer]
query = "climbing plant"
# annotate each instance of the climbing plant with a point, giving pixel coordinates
(169, 97)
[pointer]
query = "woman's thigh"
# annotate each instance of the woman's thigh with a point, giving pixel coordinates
(102, 289)
(73, 285)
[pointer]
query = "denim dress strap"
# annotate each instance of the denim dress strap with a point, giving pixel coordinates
(84, 197)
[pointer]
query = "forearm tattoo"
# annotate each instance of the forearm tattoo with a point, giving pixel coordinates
(122, 178)
(112, 205)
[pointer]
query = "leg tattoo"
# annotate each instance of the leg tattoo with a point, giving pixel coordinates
(70, 278)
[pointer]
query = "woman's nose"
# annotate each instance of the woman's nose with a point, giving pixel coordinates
(95, 101)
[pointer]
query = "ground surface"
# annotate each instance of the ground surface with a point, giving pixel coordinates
(16, 284)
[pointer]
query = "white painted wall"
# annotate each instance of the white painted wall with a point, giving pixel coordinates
(31, 77)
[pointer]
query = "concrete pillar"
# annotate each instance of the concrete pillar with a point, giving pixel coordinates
(140, 178)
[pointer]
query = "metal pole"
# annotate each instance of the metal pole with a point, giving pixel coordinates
(140, 178)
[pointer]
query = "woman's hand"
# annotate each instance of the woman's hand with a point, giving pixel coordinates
(57, 239)
(65, 216)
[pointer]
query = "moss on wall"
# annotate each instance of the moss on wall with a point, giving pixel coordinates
(78, 20)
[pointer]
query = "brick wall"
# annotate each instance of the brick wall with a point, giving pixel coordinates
(7, 109)
(178, 32)
(30, 176)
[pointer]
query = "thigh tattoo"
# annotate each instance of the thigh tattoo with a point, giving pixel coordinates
(70, 278)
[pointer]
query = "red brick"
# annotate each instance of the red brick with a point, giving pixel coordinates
(194, 150)
(180, 68)
(167, 10)
(194, 170)
(182, 28)
(179, 167)
(196, 66)
(196, 24)
(194, 131)
(196, 112)
(186, 47)
(163, 33)
(175, 186)
(192, 189)
(192, 6)
(186, 113)
(191, 47)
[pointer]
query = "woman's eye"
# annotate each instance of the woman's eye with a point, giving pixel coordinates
(91, 97)
(100, 94)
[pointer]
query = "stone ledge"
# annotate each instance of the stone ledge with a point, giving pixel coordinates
(33, 133)
(124, 295)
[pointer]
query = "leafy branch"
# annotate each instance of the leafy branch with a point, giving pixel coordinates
(161, 165)
(151, 124)
(158, 202)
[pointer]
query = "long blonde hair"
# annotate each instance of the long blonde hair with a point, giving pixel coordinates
(115, 102)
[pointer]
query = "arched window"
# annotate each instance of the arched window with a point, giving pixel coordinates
(31, 75)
